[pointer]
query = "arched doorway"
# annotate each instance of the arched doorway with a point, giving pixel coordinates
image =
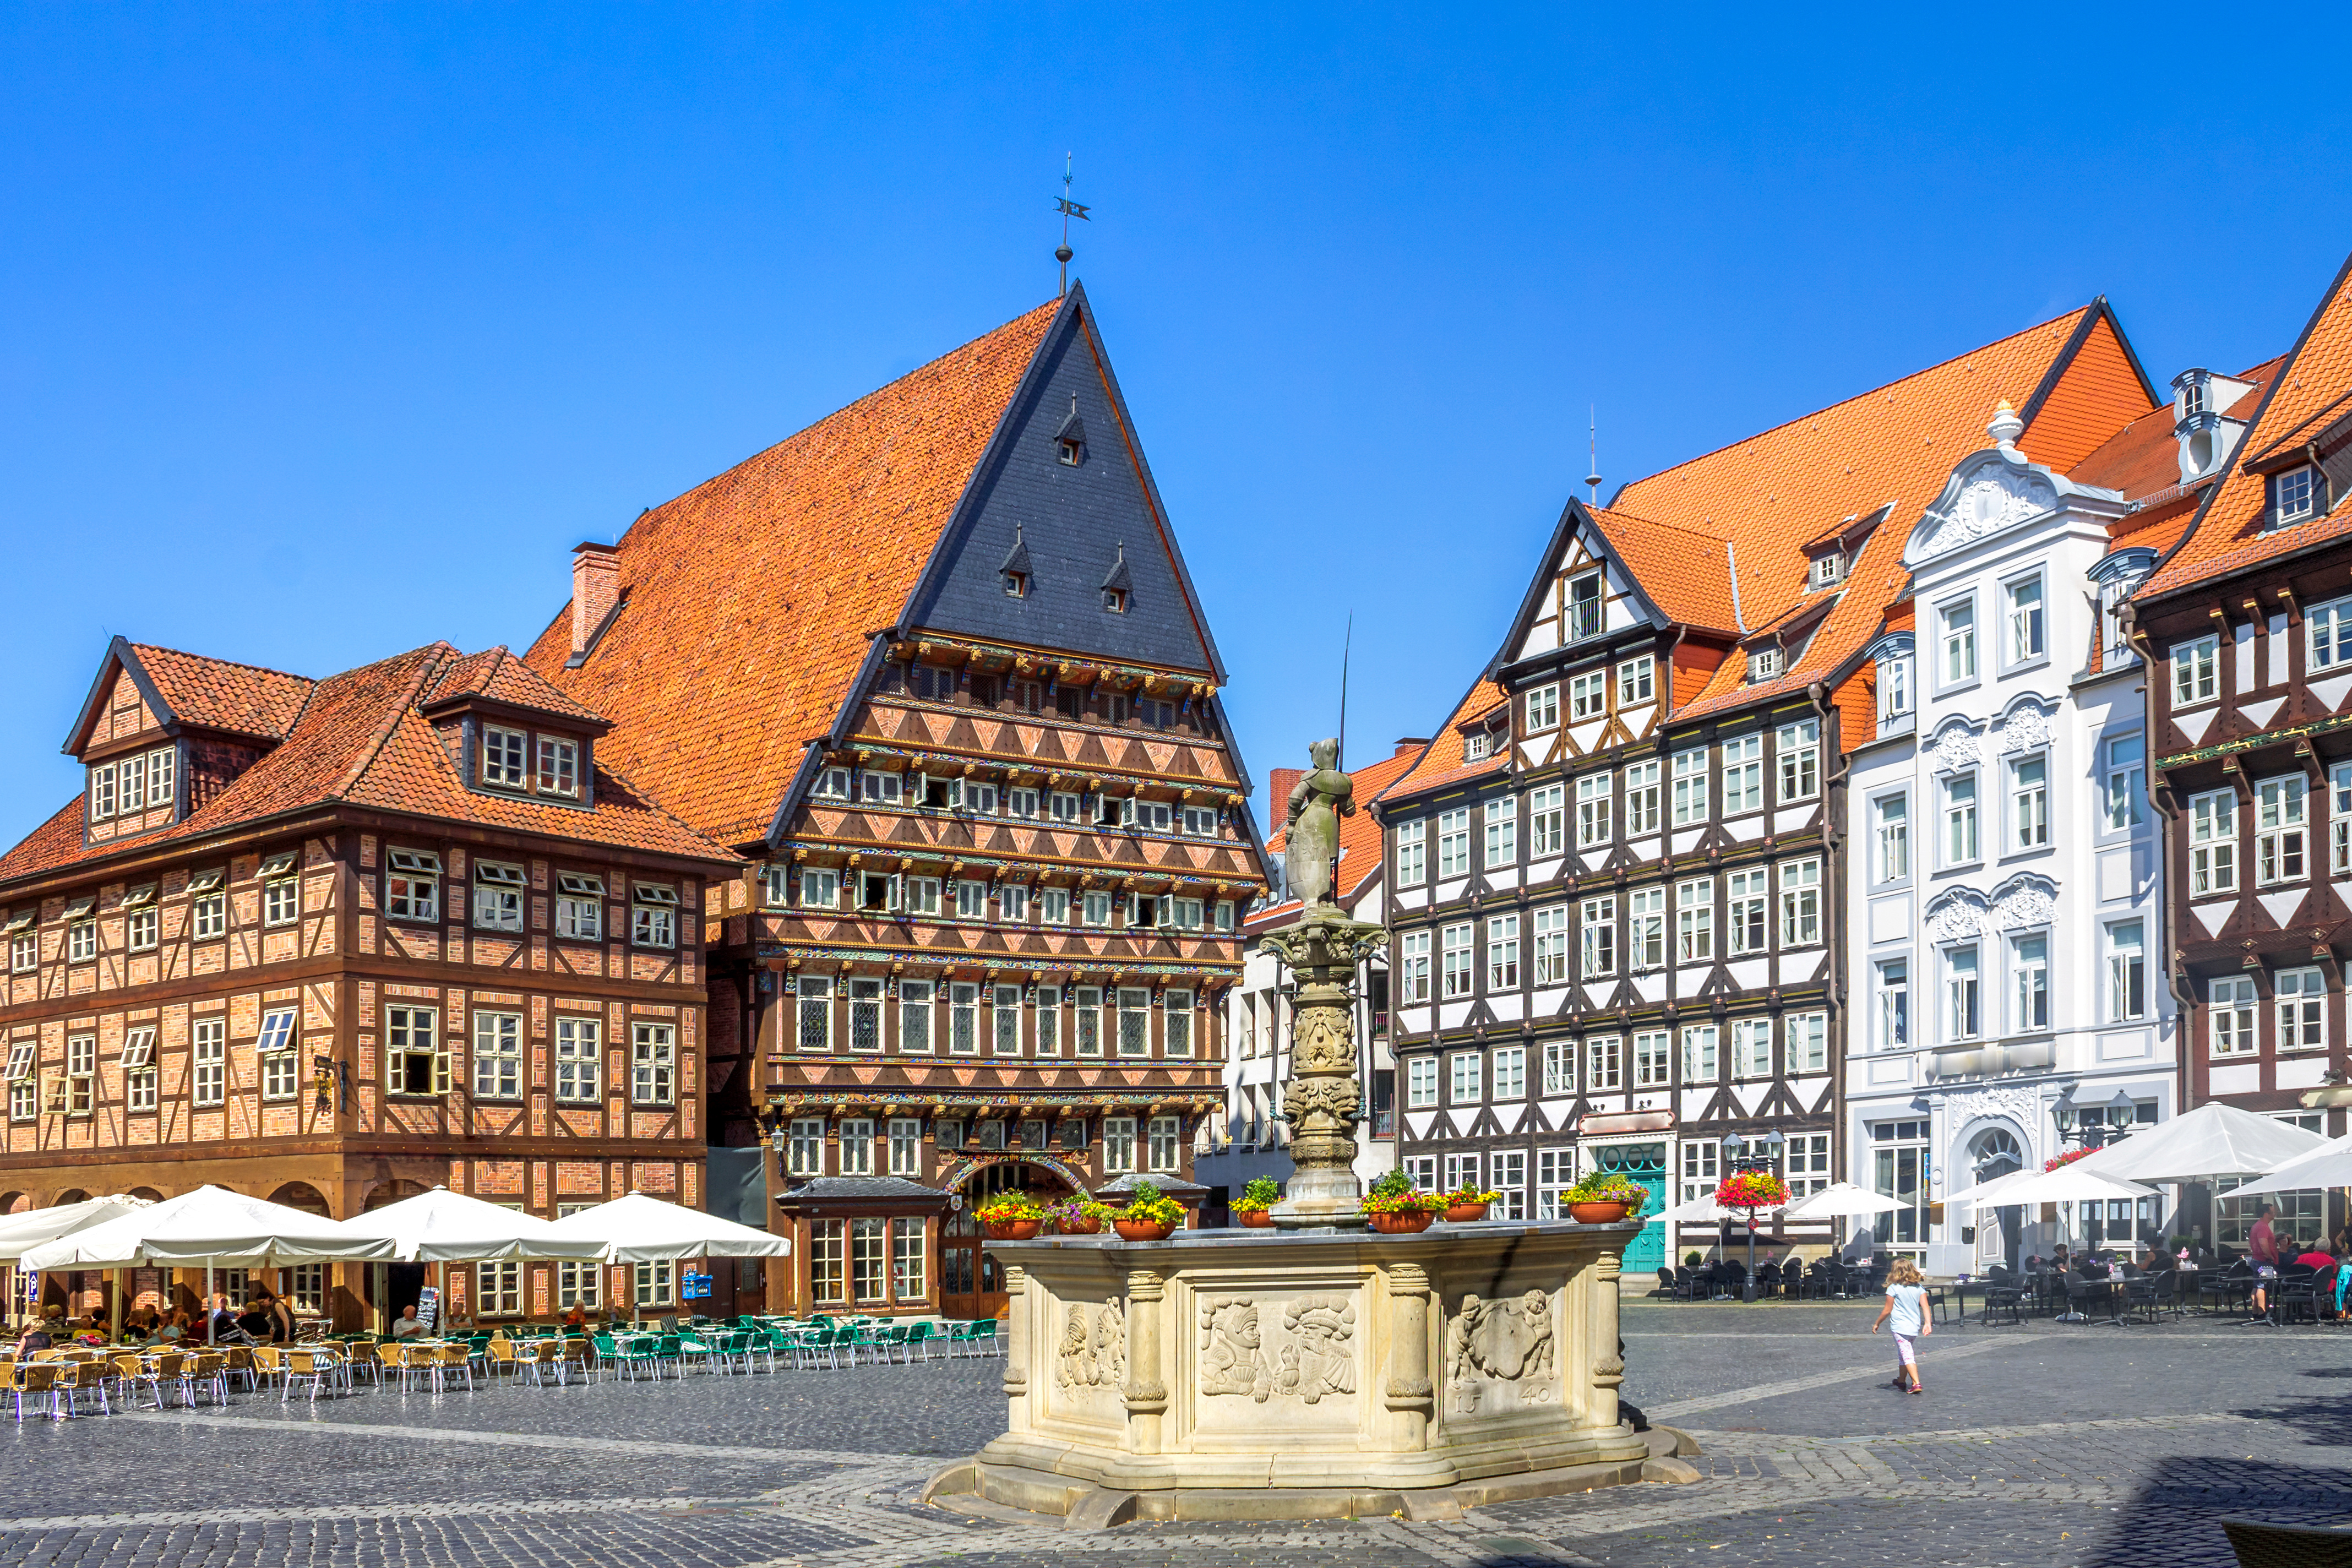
(304, 1197)
(71, 1195)
(972, 1282)
(1994, 1153)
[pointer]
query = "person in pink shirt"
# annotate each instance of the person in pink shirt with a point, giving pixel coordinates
(2263, 1246)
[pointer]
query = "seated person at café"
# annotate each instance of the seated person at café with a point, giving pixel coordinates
(172, 1327)
(408, 1326)
(2312, 1257)
(90, 1329)
(255, 1320)
(576, 1316)
(36, 1337)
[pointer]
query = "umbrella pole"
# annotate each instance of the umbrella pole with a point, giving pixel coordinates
(208, 1301)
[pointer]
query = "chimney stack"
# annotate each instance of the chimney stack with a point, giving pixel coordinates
(1409, 744)
(595, 584)
(1279, 782)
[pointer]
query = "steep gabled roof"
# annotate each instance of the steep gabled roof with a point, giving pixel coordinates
(360, 740)
(188, 690)
(1441, 762)
(497, 675)
(2310, 392)
(753, 599)
(1683, 570)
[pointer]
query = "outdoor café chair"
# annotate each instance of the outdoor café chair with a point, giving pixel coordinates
(34, 1380)
(313, 1366)
(2297, 1291)
(577, 1357)
(451, 1361)
(83, 1378)
(919, 1340)
(2147, 1297)
(267, 1361)
(546, 1356)
(2217, 1289)
(205, 1371)
(502, 1358)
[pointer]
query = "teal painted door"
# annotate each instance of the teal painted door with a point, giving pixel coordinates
(1645, 1164)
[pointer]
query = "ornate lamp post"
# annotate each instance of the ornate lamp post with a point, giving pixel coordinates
(1751, 1157)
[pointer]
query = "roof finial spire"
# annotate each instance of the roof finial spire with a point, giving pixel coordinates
(1068, 209)
(2006, 426)
(1593, 473)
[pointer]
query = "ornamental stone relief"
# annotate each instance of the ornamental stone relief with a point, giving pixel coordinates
(1094, 1354)
(1321, 1042)
(2027, 728)
(1502, 1342)
(1985, 501)
(2018, 903)
(1955, 747)
(2020, 1107)
(1317, 1357)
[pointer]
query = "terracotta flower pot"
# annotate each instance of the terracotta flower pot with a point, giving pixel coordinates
(1081, 1227)
(1142, 1229)
(1013, 1229)
(1598, 1212)
(1465, 1213)
(1255, 1219)
(1404, 1221)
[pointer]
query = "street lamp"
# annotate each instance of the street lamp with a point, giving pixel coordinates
(1766, 1153)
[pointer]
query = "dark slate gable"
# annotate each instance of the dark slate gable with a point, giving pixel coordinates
(1071, 523)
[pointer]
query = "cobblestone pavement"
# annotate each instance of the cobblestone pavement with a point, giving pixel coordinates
(2045, 1443)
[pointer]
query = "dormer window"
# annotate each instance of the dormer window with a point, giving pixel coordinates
(559, 766)
(1829, 570)
(1476, 744)
(503, 765)
(1114, 601)
(1072, 449)
(833, 784)
(2295, 495)
(1016, 584)
(133, 784)
(1764, 664)
(2192, 396)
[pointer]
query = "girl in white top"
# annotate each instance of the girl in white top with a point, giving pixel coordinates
(1906, 1303)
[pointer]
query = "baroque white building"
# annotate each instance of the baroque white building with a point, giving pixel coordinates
(2006, 904)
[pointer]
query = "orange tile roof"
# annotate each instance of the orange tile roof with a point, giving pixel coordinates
(2310, 389)
(359, 739)
(497, 675)
(1441, 762)
(1686, 571)
(1359, 834)
(214, 694)
(751, 600)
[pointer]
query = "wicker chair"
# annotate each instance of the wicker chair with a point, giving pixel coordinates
(34, 1380)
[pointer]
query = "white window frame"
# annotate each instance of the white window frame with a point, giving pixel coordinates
(1963, 964)
(1587, 695)
(1890, 816)
(2029, 982)
(1799, 749)
(1421, 1083)
(2327, 633)
(1956, 632)
(1645, 929)
(1694, 922)
(1508, 1074)
(1702, 1054)
(2231, 1006)
(1502, 825)
(2299, 1010)
(1597, 931)
(2025, 620)
(1751, 1047)
(1503, 952)
(1891, 979)
(2195, 671)
(498, 892)
(1743, 774)
(2126, 949)
(504, 760)
(1596, 824)
(653, 1064)
(497, 1055)
(1453, 843)
(1641, 798)
(1653, 1058)
(2281, 830)
(1637, 680)
(2124, 779)
(1543, 709)
(2029, 803)
(1604, 1064)
(1690, 791)
(1801, 902)
(579, 1058)
(2212, 820)
(1805, 1039)
(1549, 954)
(1412, 853)
(1747, 922)
(1547, 821)
(1456, 973)
(1963, 829)
(1466, 1078)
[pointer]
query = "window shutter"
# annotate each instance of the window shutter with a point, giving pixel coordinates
(2270, 500)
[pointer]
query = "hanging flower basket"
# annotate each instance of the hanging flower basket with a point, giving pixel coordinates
(1751, 1189)
(2068, 1157)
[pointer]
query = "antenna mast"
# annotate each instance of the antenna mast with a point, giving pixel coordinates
(1592, 471)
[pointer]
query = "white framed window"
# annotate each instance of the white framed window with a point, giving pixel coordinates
(654, 915)
(138, 1047)
(805, 1147)
(497, 1056)
(653, 1061)
(923, 897)
(411, 885)
(1807, 1159)
(2196, 670)
(1548, 820)
(1960, 820)
(1894, 686)
(881, 788)
(1599, 930)
(856, 1147)
(1957, 621)
(1751, 1047)
(831, 784)
(1806, 1037)
(813, 1013)
(1047, 1023)
(2029, 803)
(1694, 922)
(1453, 842)
(2339, 819)
(1894, 1004)
(209, 912)
(1454, 962)
(1118, 1144)
(1510, 1072)
(1743, 774)
(1645, 929)
(971, 899)
(413, 1060)
(2212, 843)
(133, 773)
(1689, 769)
(281, 900)
(1201, 821)
(498, 896)
(1581, 609)
(2300, 996)
(1463, 1169)
(2126, 782)
(1503, 830)
(559, 766)
(580, 1285)
(1652, 1059)
(1595, 799)
(1963, 995)
(820, 887)
(1420, 1082)
(2279, 811)
(102, 791)
(655, 1284)
(1163, 1135)
(139, 1090)
(579, 906)
(1641, 798)
(1543, 709)
(1503, 952)
(140, 929)
(24, 951)
(1412, 966)
(1555, 1174)
(1744, 911)
(208, 1083)
(963, 1018)
(81, 1074)
(2295, 495)
(2027, 619)
(2329, 633)
(1013, 904)
(1702, 1169)
(1412, 853)
(1464, 1076)
(906, 1145)
(1511, 1183)
(498, 1289)
(1637, 680)
(1602, 1066)
(2126, 971)
(1587, 695)
(1559, 1067)
(1702, 1060)
(1891, 819)
(579, 1059)
(2028, 981)
(2231, 1004)
(505, 760)
(915, 1000)
(1799, 748)
(1004, 1009)
(1134, 1022)
(1801, 902)
(1550, 955)
(1053, 906)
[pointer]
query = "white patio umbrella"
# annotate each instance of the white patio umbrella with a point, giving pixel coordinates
(1841, 1200)
(1700, 1211)
(34, 1227)
(210, 1226)
(1989, 1195)
(443, 1226)
(639, 1229)
(2072, 1185)
(2330, 1165)
(2214, 1140)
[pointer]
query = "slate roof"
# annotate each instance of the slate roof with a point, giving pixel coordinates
(867, 1189)
(360, 740)
(751, 601)
(2311, 390)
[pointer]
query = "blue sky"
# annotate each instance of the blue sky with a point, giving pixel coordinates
(332, 329)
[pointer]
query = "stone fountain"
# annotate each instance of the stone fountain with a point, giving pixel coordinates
(1319, 1369)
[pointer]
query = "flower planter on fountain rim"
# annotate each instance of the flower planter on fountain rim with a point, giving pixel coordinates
(1255, 1219)
(1143, 1229)
(1012, 1229)
(1598, 1213)
(1465, 1214)
(1399, 1222)
(1079, 1227)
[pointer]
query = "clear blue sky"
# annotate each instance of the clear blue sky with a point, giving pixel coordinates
(330, 329)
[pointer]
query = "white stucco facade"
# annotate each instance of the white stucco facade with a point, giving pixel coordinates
(2004, 879)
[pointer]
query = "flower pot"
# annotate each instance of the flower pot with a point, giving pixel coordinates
(1465, 1213)
(1080, 1226)
(1404, 1221)
(1255, 1219)
(1598, 1212)
(1142, 1229)
(1013, 1229)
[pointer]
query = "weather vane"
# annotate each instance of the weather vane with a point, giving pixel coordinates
(1068, 209)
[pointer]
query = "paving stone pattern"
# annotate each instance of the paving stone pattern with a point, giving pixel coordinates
(2045, 1443)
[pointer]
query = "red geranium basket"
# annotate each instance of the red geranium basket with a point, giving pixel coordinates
(1751, 1189)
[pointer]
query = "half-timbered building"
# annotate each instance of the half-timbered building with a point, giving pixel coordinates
(1615, 873)
(935, 668)
(332, 943)
(2246, 624)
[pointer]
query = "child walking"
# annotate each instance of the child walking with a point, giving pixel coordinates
(1906, 1303)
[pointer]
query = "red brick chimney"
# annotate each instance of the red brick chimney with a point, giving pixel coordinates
(1409, 744)
(1280, 783)
(595, 584)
